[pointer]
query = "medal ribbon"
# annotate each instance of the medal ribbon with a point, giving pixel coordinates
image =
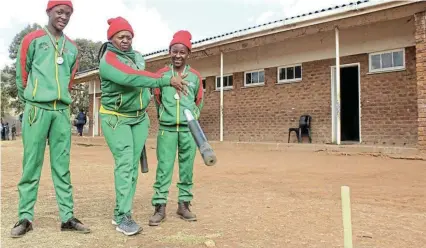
(54, 43)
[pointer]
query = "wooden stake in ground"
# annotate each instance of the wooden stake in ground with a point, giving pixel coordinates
(346, 213)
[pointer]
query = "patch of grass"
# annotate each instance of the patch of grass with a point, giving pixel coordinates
(86, 145)
(188, 239)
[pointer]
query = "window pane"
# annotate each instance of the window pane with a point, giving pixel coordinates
(386, 60)
(290, 72)
(375, 62)
(218, 82)
(397, 58)
(225, 81)
(282, 74)
(230, 81)
(298, 72)
(248, 78)
(254, 77)
(261, 77)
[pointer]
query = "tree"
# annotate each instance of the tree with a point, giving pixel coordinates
(5, 104)
(88, 52)
(9, 89)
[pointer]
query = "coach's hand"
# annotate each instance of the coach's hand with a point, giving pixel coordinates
(179, 84)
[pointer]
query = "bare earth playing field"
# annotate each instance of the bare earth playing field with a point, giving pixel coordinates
(251, 198)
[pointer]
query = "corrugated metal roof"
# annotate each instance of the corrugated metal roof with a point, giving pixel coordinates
(266, 26)
(269, 25)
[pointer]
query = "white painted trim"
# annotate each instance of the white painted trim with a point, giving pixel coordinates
(98, 126)
(226, 87)
(359, 95)
(94, 108)
(390, 69)
(337, 98)
(290, 80)
(221, 96)
(255, 84)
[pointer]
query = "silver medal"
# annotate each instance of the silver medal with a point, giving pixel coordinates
(177, 96)
(60, 60)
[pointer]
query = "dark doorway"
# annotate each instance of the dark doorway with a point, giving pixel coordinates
(349, 104)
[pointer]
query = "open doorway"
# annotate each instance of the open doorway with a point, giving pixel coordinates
(350, 123)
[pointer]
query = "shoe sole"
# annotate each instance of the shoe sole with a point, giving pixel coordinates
(189, 220)
(157, 223)
(128, 233)
(20, 236)
(114, 223)
(77, 231)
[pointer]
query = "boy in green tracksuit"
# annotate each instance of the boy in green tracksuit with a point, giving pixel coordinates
(125, 123)
(45, 67)
(174, 132)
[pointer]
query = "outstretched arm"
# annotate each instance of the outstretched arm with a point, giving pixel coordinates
(111, 68)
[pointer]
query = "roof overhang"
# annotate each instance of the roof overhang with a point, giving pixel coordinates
(86, 76)
(325, 17)
(220, 44)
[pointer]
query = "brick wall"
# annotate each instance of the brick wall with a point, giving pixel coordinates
(264, 113)
(420, 36)
(388, 103)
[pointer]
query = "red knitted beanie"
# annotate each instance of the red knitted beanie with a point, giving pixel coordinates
(182, 37)
(118, 24)
(53, 3)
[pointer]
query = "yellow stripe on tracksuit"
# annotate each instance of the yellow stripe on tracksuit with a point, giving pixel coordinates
(106, 111)
(57, 75)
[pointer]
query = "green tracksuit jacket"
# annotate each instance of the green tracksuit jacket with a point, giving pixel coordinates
(174, 135)
(170, 110)
(124, 82)
(43, 85)
(125, 124)
(40, 80)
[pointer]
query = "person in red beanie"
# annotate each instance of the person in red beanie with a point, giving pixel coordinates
(125, 124)
(45, 67)
(174, 133)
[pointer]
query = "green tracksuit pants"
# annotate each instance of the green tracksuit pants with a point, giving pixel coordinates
(125, 138)
(37, 125)
(167, 144)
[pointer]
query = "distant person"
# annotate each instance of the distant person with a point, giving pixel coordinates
(45, 67)
(3, 133)
(6, 131)
(81, 120)
(13, 132)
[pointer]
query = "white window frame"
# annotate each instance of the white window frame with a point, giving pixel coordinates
(225, 87)
(396, 68)
(289, 80)
(255, 84)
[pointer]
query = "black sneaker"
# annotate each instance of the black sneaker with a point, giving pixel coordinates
(74, 224)
(21, 228)
(128, 226)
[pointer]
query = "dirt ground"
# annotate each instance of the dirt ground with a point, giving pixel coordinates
(248, 199)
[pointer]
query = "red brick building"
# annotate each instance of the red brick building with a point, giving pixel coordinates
(276, 72)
